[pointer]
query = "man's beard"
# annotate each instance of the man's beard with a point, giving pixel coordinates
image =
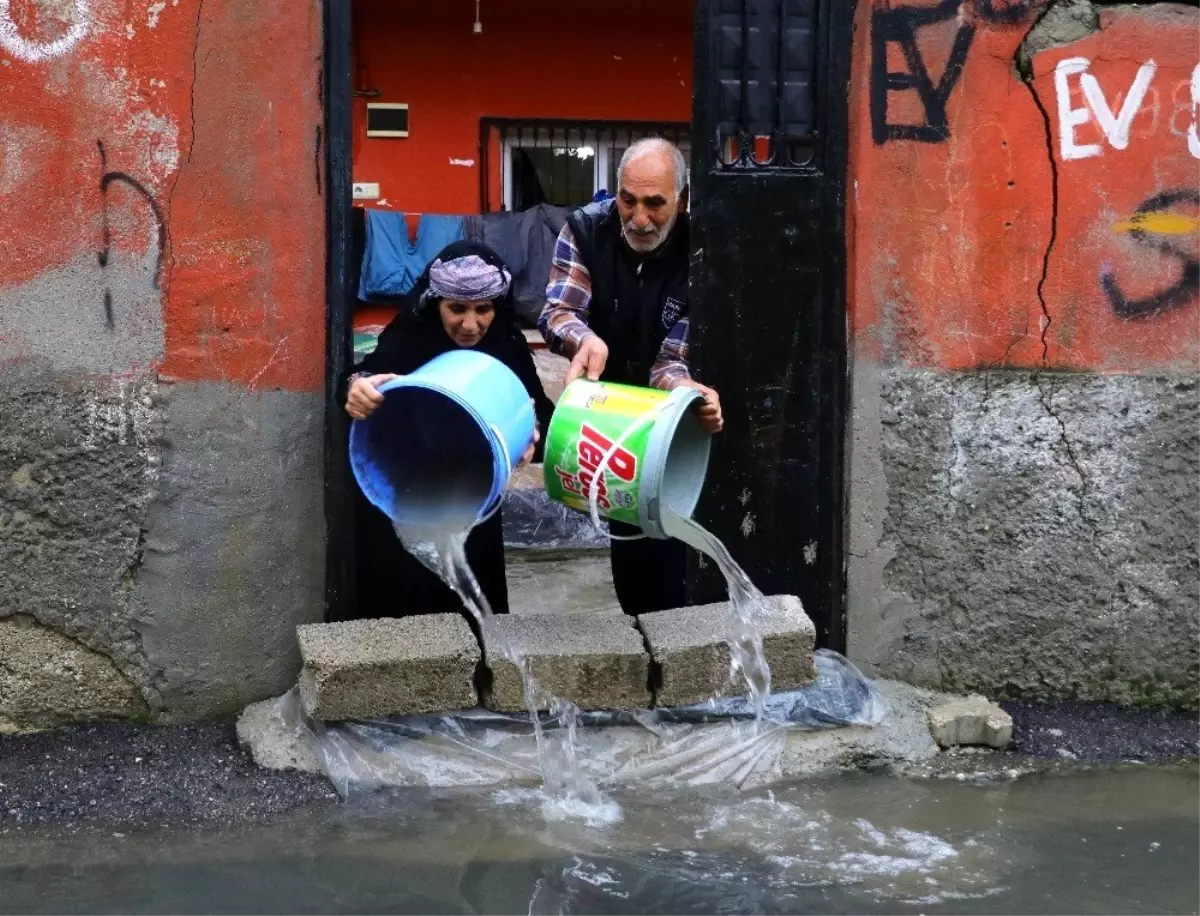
(649, 242)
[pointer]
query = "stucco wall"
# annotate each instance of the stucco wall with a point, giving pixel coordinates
(161, 348)
(1024, 473)
(535, 59)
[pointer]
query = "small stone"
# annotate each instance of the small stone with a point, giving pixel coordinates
(365, 669)
(972, 720)
(596, 661)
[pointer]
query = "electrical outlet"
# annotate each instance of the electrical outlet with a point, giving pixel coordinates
(366, 190)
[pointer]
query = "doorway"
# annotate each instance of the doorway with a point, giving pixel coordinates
(767, 139)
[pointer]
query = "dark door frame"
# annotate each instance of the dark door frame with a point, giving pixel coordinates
(337, 82)
(768, 297)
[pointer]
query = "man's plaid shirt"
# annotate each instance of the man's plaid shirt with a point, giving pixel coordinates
(563, 321)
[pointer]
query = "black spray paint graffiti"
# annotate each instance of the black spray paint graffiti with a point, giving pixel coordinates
(899, 25)
(1161, 223)
(107, 179)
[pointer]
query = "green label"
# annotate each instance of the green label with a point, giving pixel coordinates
(589, 419)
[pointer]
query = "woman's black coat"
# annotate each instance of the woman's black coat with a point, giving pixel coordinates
(391, 582)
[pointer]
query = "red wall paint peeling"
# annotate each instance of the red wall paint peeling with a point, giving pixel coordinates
(953, 202)
(192, 105)
(617, 60)
(246, 293)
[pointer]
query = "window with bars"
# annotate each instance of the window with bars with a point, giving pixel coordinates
(565, 163)
(764, 57)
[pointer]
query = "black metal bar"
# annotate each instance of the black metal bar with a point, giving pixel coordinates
(339, 302)
(741, 130)
(778, 141)
(833, 27)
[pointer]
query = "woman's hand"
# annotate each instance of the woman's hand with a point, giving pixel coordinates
(364, 397)
(529, 452)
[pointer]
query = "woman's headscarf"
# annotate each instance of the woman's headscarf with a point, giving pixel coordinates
(466, 271)
(468, 278)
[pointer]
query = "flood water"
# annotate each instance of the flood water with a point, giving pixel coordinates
(1100, 841)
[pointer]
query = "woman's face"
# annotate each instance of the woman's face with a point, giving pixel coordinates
(466, 322)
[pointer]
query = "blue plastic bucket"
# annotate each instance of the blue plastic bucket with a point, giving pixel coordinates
(438, 452)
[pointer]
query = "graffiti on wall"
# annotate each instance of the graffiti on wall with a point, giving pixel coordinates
(104, 255)
(1039, 216)
(1166, 223)
(31, 50)
(1115, 126)
(897, 28)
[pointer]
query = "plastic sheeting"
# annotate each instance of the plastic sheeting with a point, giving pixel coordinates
(532, 519)
(716, 741)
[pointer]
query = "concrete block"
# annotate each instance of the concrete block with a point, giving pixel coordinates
(364, 669)
(690, 649)
(972, 720)
(597, 661)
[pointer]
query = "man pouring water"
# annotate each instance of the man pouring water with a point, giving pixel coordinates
(616, 306)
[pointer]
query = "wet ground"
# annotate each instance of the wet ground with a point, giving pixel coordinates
(559, 581)
(142, 776)
(1088, 841)
(173, 776)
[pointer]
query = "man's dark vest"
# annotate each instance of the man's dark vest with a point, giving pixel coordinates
(631, 310)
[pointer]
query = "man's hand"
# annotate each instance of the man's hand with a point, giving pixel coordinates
(708, 411)
(590, 360)
(364, 397)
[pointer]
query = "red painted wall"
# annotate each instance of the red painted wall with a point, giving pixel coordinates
(970, 245)
(607, 59)
(213, 111)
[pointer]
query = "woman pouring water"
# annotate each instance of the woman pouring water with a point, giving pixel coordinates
(463, 300)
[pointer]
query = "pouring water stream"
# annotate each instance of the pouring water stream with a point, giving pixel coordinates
(568, 788)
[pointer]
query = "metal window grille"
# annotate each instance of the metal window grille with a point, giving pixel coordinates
(559, 162)
(766, 60)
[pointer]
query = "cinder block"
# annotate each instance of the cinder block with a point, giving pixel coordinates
(690, 649)
(972, 720)
(364, 669)
(597, 661)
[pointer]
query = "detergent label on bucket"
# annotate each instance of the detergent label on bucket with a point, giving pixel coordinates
(590, 419)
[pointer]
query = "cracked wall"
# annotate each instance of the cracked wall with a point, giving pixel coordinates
(162, 341)
(1025, 348)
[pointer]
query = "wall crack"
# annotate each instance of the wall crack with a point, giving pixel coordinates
(1047, 401)
(191, 138)
(1046, 255)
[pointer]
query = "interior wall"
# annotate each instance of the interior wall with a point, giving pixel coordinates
(610, 60)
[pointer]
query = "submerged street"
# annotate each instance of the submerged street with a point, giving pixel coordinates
(1119, 840)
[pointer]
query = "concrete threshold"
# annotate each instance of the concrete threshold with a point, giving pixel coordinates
(615, 755)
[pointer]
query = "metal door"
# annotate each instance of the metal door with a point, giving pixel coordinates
(768, 290)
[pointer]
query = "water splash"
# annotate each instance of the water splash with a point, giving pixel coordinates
(568, 790)
(746, 656)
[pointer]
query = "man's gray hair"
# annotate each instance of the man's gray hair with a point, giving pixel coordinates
(656, 145)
